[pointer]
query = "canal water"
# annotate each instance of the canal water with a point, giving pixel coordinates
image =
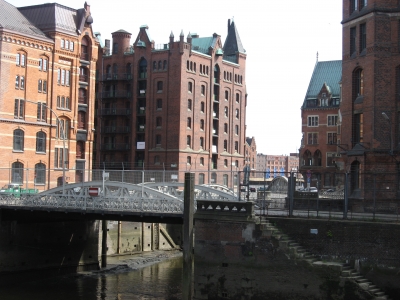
(128, 278)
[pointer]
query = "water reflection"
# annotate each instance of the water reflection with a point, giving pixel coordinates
(159, 281)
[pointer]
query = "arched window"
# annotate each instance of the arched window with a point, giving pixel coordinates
(17, 172)
(41, 142)
(85, 48)
(128, 71)
(165, 65)
(216, 74)
(189, 122)
(40, 173)
(213, 177)
(201, 124)
(115, 48)
(225, 179)
(190, 87)
(317, 158)
(18, 140)
(143, 68)
(189, 160)
(226, 95)
(115, 71)
(201, 178)
(237, 97)
(157, 160)
(159, 65)
(237, 114)
(188, 141)
(201, 161)
(307, 160)
(17, 82)
(154, 65)
(108, 72)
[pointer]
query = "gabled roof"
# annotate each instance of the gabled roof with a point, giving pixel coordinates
(203, 44)
(12, 19)
(325, 72)
(232, 43)
(53, 16)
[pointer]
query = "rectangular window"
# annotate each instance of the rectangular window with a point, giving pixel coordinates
(19, 108)
(363, 3)
(58, 76)
(40, 64)
(45, 65)
(41, 112)
(332, 120)
(67, 45)
(71, 46)
(17, 82)
(62, 43)
(22, 82)
(312, 138)
(332, 138)
(18, 59)
(40, 85)
(313, 121)
(330, 159)
(62, 77)
(358, 129)
(353, 6)
(363, 37)
(352, 40)
(44, 86)
(67, 77)
(58, 158)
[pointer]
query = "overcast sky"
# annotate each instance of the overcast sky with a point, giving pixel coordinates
(281, 39)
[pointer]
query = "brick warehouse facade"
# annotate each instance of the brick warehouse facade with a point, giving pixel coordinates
(319, 118)
(370, 94)
(178, 106)
(47, 70)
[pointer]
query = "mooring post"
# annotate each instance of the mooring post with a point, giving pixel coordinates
(187, 278)
(104, 244)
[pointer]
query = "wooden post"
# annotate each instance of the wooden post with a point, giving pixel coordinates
(187, 278)
(104, 244)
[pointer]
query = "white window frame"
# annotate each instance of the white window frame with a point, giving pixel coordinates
(313, 121)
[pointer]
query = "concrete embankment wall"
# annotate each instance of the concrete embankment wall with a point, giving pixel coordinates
(235, 260)
(66, 246)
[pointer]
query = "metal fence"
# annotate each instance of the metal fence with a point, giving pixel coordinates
(338, 195)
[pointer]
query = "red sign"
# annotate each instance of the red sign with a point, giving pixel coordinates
(94, 191)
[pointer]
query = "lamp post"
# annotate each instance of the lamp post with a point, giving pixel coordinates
(391, 131)
(63, 137)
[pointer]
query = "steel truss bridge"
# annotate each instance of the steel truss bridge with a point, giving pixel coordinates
(163, 199)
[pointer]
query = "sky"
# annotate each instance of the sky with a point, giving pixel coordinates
(281, 39)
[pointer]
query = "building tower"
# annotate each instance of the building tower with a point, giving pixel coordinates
(47, 72)
(177, 107)
(371, 96)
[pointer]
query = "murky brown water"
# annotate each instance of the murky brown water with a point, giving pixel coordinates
(161, 281)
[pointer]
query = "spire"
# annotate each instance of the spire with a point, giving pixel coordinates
(171, 35)
(317, 56)
(233, 43)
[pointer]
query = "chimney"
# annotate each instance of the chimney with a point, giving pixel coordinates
(107, 46)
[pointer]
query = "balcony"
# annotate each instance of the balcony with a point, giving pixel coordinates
(82, 99)
(84, 56)
(141, 110)
(115, 111)
(83, 78)
(115, 147)
(116, 94)
(115, 129)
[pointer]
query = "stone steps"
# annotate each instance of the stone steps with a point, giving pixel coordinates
(297, 251)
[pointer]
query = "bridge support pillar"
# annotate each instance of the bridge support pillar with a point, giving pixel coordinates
(187, 278)
(104, 244)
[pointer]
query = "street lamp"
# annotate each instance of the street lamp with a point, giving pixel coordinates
(391, 131)
(63, 138)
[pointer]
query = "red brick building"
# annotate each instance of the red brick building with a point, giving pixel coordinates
(250, 154)
(176, 106)
(47, 75)
(320, 115)
(371, 89)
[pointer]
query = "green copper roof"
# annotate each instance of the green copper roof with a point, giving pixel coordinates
(202, 44)
(329, 72)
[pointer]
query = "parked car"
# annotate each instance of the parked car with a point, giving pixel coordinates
(311, 189)
(262, 189)
(253, 189)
